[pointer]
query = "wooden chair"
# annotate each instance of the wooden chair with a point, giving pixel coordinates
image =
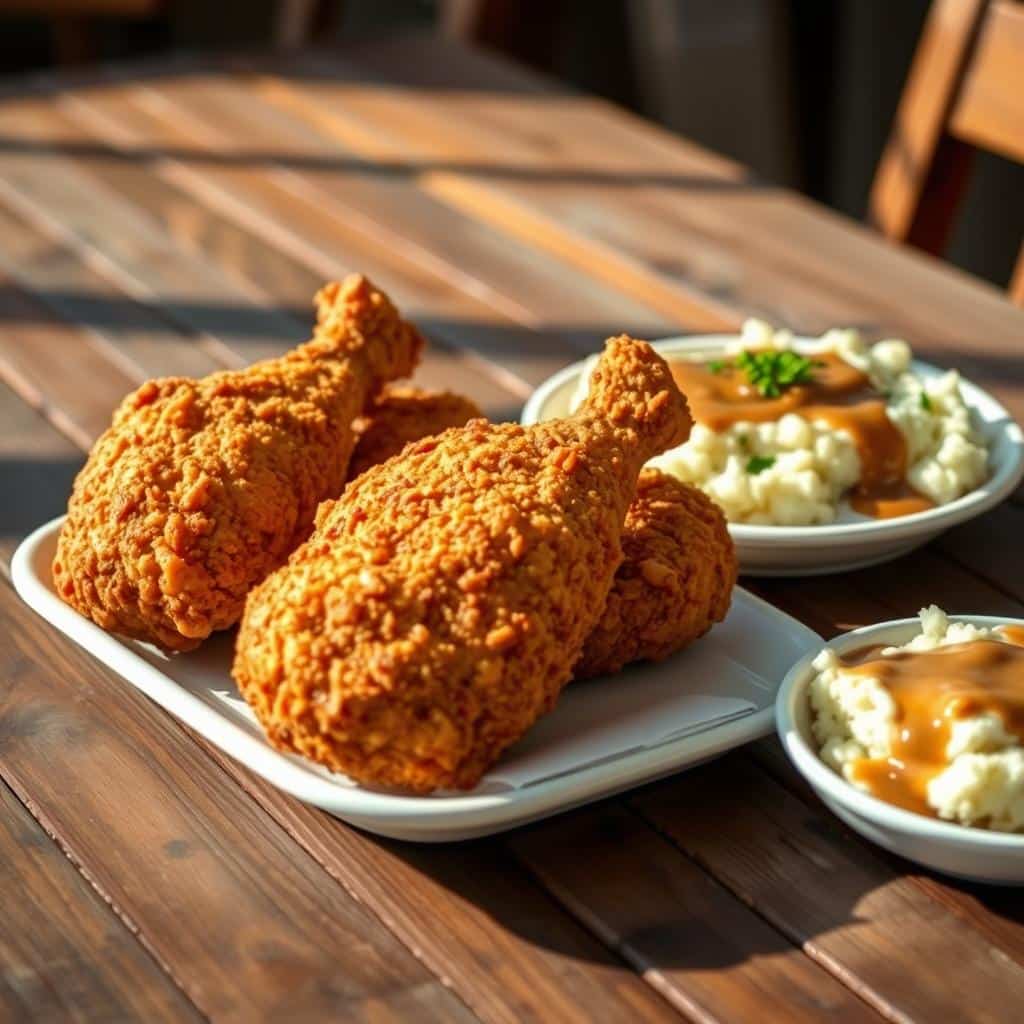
(965, 92)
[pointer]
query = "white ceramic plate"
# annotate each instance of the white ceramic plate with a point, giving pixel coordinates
(972, 853)
(605, 735)
(853, 541)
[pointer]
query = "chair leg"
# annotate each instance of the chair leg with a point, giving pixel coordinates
(294, 23)
(525, 30)
(1017, 281)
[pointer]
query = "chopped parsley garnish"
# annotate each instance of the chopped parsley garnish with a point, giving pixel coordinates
(772, 372)
(926, 402)
(759, 463)
(744, 442)
(717, 365)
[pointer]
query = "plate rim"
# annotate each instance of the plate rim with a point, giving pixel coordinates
(1004, 480)
(403, 816)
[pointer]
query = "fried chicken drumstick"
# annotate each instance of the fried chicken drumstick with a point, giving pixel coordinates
(199, 488)
(400, 414)
(441, 603)
(679, 564)
(675, 582)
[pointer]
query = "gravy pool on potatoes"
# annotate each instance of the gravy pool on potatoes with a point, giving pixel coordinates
(838, 394)
(932, 689)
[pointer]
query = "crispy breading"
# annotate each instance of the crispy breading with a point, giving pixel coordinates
(675, 582)
(400, 414)
(199, 488)
(679, 564)
(442, 601)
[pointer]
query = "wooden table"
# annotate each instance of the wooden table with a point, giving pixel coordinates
(176, 218)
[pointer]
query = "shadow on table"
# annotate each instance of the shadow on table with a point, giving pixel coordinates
(602, 883)
(33, 490)
(711, 869)
(171, 315)
(398, 170)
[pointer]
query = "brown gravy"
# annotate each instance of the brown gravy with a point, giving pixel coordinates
(1015, 634)
(932, 689)
(839, 395)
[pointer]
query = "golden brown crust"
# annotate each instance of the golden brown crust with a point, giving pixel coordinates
(401, 414)
(442, 601)
(200, 487)
(679, 565)
(676, 579)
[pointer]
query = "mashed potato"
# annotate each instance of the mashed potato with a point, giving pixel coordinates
(854, 717)
(806, 466)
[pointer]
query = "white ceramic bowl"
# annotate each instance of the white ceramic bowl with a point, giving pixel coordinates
(853, 541)
(972, 853)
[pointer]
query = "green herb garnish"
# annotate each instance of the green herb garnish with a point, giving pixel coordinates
(926, 402)
(759, 463)
(772, 372)
(717, 365)
(744, 442)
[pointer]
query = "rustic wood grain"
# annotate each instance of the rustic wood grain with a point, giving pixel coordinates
(65, 954)
(285, 280)
(552, 143)
(337, 219)
(41, 257)
(474, 917)
(837, 899)
(485, 261)
(126, 237)
(246, 922)
(37, 466)
(691, 939)
(36, 351)
(996, 912)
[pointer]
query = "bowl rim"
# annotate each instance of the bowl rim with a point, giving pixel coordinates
(1006, 474)
(827, 782)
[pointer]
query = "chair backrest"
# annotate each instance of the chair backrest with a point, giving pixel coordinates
(965, 92)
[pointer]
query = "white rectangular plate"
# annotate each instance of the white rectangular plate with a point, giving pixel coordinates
(605, 735)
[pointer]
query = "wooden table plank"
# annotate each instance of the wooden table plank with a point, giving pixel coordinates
(37, 466)
(245, 921)
(695, 942)
(990, 547)
(474, 917)
(36, 349)
(44, 259)
(837, 899)
(944, 312)
(327, 231)
(997, 912)
(316, 101)
(477, 258)
(138, 341)
(125, 237)
(286, 284)
(65, 954)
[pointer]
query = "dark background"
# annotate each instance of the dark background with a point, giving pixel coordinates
(802, 91)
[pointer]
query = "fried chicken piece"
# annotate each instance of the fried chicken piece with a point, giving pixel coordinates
(199, 488)
(675, 582)
(442, 601)
(679, 566)
(399, 415)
